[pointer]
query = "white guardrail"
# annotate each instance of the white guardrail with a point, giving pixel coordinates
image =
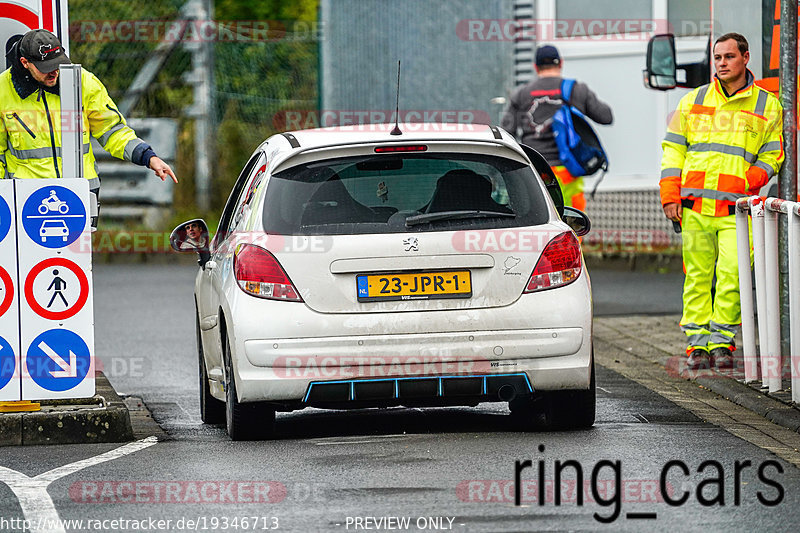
(765, 214)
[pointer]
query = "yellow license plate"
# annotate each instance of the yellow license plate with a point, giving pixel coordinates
(418, 286)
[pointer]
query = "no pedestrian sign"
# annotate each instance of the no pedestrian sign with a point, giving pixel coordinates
(56, 288)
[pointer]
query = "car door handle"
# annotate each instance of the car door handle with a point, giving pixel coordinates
(211, 265)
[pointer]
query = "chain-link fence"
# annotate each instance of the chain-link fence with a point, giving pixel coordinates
(261, 69)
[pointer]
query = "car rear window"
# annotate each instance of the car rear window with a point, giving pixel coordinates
(400, 193)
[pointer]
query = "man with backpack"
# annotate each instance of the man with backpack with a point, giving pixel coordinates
(533, 107)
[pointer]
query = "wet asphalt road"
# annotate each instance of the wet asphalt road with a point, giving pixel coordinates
(328, 470)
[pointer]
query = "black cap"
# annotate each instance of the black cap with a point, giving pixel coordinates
(43, 49)
(547, 55)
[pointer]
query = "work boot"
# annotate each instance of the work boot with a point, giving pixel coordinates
(723, 357)
(698, 360)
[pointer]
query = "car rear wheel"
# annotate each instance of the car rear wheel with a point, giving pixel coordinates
(573, 409)
(564, 409)
(212, 411)
(244, 421)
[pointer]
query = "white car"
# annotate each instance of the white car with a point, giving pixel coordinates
(353, 267)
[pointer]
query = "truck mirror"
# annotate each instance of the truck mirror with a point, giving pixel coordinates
(661, 65)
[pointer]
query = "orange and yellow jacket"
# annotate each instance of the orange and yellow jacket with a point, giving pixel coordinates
(719, 148)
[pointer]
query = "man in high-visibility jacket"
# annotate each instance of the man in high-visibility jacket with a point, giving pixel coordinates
(30, 110)
(723, 142)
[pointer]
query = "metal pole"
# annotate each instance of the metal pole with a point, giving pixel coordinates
(787, 179)
(794, 298)
(70, 91)
(200, 78)
(746, 291)
(757, 214)
(773, 363)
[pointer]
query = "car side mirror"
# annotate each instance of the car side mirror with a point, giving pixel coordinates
(191, 236)
(577, 220)
(547, 175)
(661, 72)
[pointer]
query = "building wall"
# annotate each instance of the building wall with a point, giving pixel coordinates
(364, 39)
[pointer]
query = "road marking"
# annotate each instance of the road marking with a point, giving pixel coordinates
(31, 492)
(347, 442)
(357, 440)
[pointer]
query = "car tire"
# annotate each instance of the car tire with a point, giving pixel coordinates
(212, 411)
(244, 421)
(573, 409)
(562, 409)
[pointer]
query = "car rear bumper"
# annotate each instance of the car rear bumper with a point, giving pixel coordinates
(478, 347)
(275, 384)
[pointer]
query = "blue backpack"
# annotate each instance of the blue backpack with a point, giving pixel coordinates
(579, 147)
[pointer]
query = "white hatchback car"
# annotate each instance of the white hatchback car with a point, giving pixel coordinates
(353, 267)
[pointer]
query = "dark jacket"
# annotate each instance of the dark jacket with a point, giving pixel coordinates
(532, 107)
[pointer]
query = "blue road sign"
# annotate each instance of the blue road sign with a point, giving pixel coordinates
(58, 360)
(8, 363)
(53, 216)
(5, 219)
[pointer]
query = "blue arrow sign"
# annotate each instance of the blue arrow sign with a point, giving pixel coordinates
(5, 219)
(8, 363)
(54, 216)
(58, 360)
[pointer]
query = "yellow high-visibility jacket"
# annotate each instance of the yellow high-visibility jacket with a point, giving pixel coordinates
(718, 148)
(30, 135)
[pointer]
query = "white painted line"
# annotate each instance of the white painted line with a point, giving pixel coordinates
(347, 442)
(357, 440)
(36, 504)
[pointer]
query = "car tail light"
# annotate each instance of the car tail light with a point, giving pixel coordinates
(259, 274)
(559, 265)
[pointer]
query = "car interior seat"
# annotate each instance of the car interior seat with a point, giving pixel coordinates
(463, 189)
(332, 204)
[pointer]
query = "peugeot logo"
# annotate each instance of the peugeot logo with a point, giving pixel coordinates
(411, 244)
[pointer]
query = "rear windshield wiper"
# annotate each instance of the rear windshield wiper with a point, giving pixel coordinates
(453, 215)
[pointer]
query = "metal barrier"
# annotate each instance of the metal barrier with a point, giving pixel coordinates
(765, 214)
